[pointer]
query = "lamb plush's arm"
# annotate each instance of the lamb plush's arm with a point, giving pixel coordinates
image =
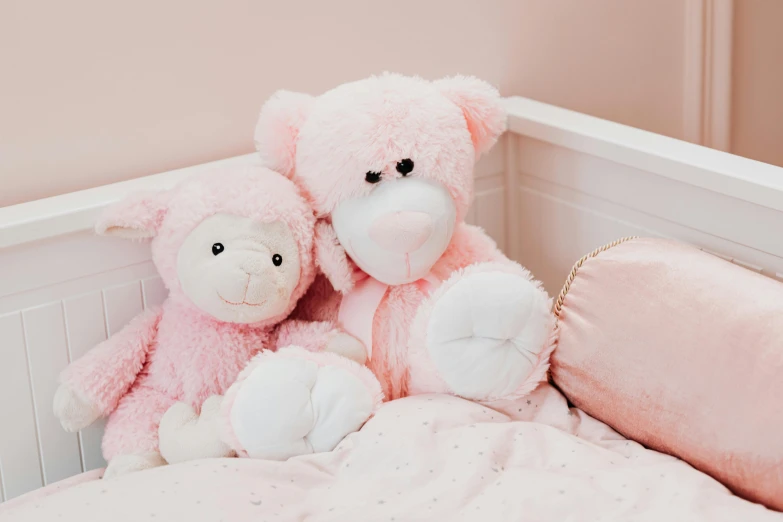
(91, 386)
(319, 336)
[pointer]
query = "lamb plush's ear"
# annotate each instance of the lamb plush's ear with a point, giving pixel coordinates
(138, 216)
(481, 106)
(331, 259)
(278, 129)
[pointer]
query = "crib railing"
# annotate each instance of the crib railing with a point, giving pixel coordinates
(558, 185)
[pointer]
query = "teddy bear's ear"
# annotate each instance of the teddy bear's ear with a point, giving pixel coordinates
(138, 216)
(278, 129)
(331, 259)
(481, 105)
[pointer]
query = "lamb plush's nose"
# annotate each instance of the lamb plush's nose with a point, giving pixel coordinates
(401, 232)
(255, 263)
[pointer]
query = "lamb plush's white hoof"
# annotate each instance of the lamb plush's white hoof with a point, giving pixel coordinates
(289, 406)
(486, 332)
(185, 435)
(124, 464)
(72, 410)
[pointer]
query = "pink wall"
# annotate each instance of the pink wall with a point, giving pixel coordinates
(757, 83)
(617, 59)
(95, 92)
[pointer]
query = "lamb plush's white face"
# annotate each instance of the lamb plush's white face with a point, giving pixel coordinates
(398, 231)
(239, 270)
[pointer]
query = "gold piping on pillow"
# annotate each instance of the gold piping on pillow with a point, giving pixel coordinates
(578, 265)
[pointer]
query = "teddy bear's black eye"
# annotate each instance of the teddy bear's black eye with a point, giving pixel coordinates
(217, 248)
(405, 166)
(372, 177)
(277, 259)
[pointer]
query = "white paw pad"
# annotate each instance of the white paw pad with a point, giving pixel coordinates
(184, 435)
(288, 407)
(486, 331)
(74, 411)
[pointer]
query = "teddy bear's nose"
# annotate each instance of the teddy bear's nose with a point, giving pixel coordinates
(401, 232)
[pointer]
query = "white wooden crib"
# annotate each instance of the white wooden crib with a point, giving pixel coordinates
(557, 186)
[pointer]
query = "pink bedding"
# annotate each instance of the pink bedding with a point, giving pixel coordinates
(422, 458)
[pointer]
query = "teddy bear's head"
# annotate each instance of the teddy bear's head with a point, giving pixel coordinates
(389, 160)
(235, 243)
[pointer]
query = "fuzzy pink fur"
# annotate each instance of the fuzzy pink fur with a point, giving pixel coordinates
(313, 336)
(292, 352)
(284, 113)
(331, 258)
(180, 353)
(111, 367)
(370, 125)
(486, 119)
(138, 216)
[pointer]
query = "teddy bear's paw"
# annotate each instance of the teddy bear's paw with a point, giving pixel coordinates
(293, 406)
(185, 435)
(485, 333)
(124, 464)
(72, 410)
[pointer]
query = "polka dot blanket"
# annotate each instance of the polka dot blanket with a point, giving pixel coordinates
(433, 458)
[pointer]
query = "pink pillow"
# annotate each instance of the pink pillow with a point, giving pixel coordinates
(683, 352)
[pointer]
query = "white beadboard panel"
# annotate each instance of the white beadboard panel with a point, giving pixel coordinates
(19, 459)
(492, 162)
(561, 224)
(90, 440)
(489, 205)
(85, 323)
(153, 291)
(122, 303)
(73, 287)
(491, 214)
(650, 225)
(86, 327)
(705, 210)
(753, 182)
(78, 255)
(470, 218)
(577, 230)
(44, 329)
(510, 185)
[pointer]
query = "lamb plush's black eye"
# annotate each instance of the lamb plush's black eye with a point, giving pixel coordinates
(372, 177)
(277, 259)
(405, 166)
(217, 248)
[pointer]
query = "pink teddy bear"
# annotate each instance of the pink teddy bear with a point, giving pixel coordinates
(235, 250)
(387, 163)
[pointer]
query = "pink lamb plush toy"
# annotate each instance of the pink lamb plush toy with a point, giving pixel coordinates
(234, 248)
(387, 163)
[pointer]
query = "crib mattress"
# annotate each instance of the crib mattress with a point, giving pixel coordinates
(420, 458)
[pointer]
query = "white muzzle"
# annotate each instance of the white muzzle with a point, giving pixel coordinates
(397, 232)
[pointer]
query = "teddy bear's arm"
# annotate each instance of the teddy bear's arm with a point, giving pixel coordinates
(470, 245)
(105, 373)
